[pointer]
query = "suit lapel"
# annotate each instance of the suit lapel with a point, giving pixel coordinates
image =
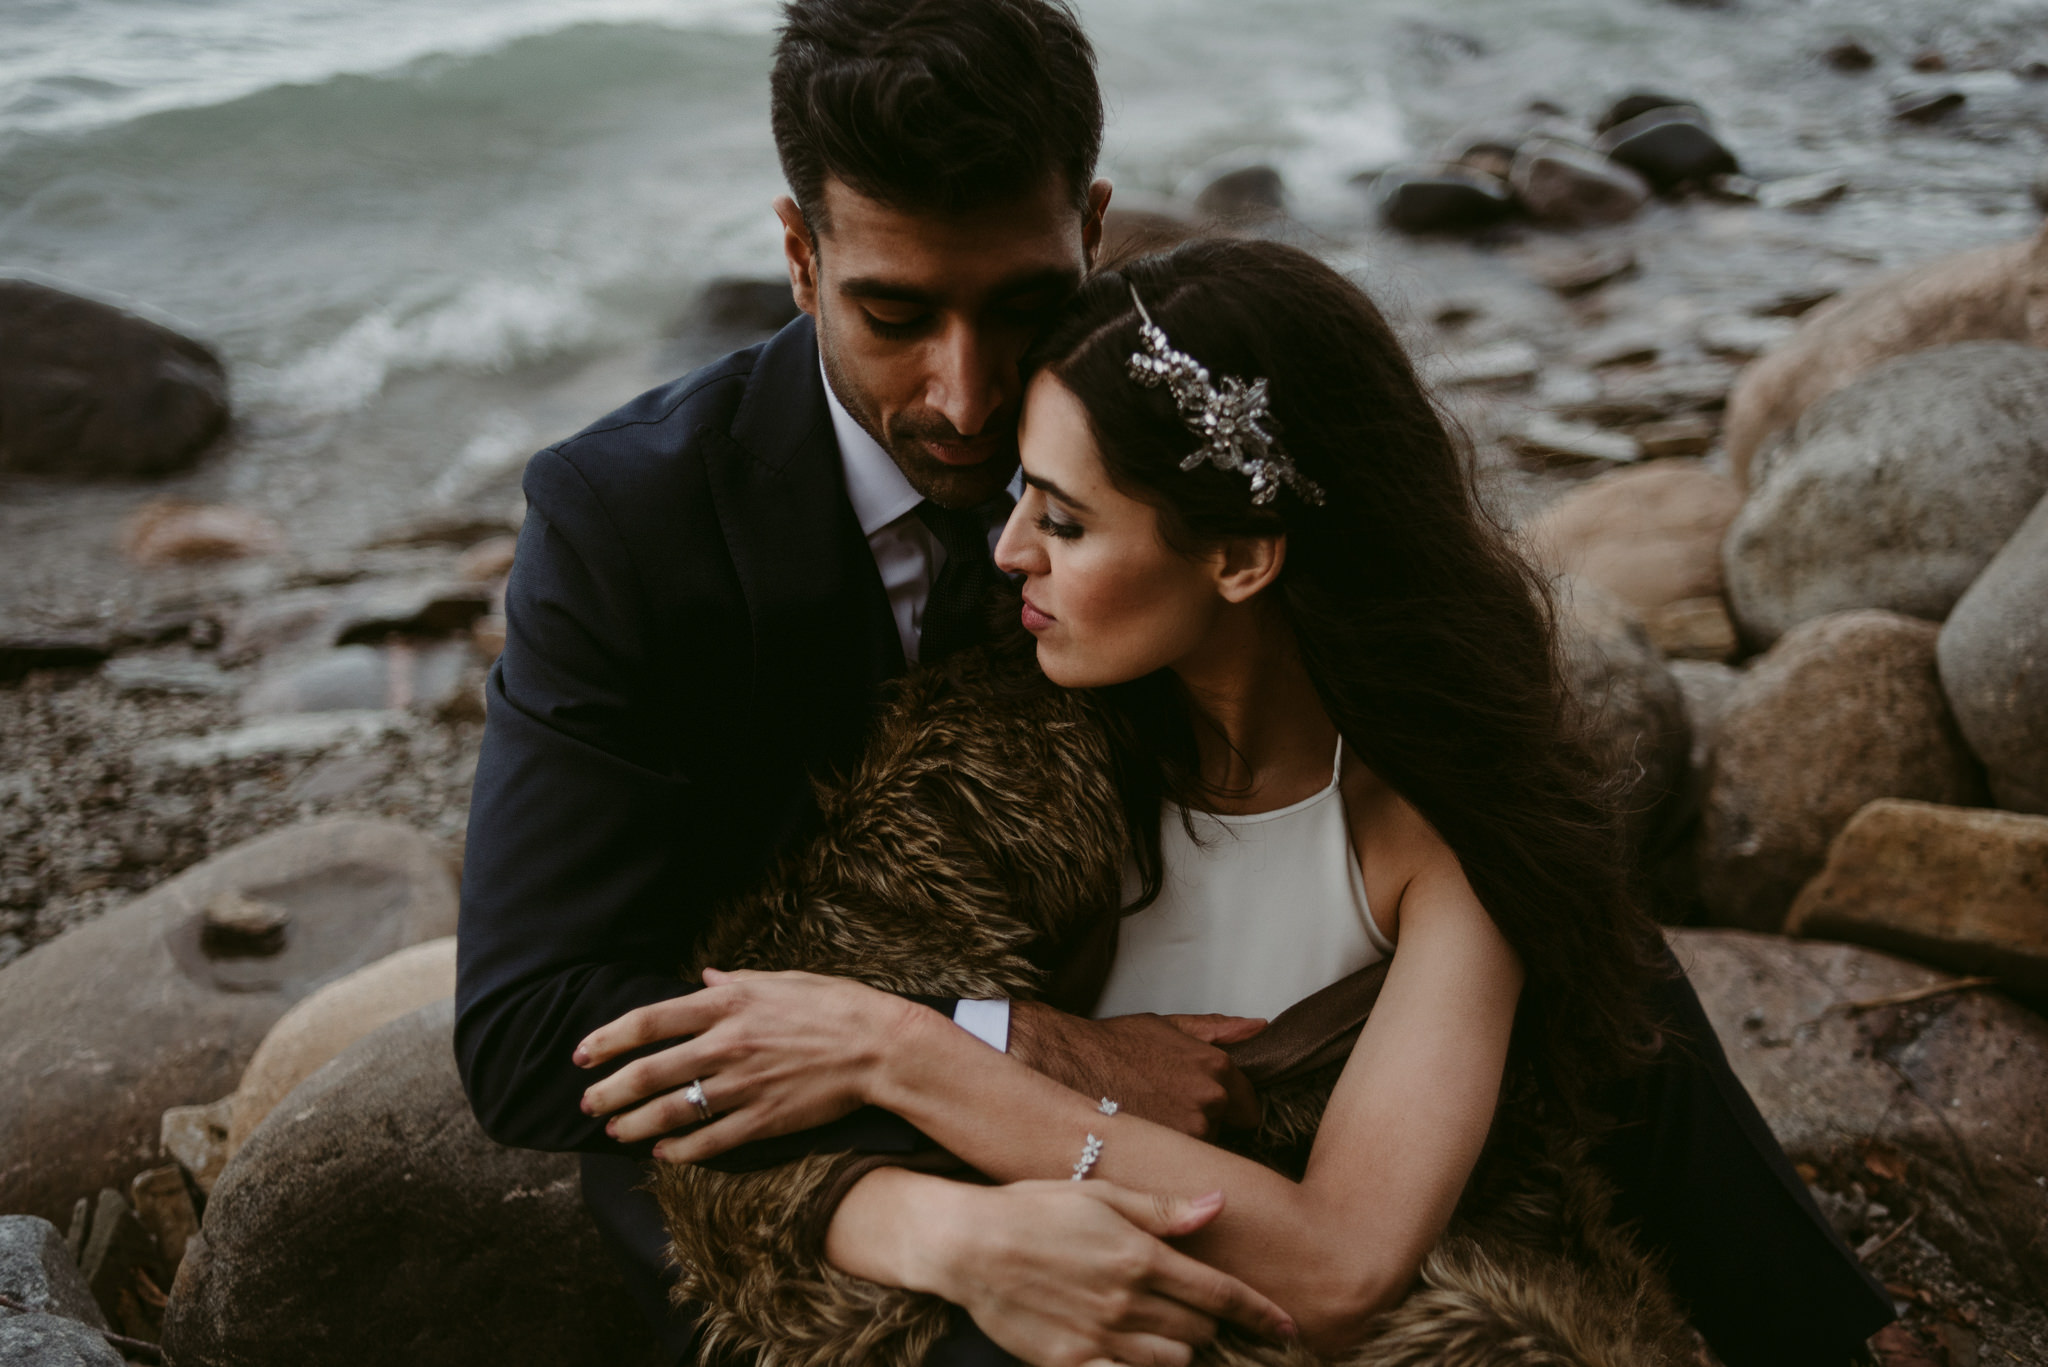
(823, 636)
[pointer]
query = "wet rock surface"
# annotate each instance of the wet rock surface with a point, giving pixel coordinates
(1651, 535)
(1895, 491)
(370, 1219)
(104, 1029)
(89, 391)
(1843, 711)
(1913, 1110)
(1994, 666)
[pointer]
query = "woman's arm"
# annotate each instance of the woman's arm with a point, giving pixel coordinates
(1398, 1140)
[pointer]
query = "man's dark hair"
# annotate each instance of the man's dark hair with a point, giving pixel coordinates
(933, 105)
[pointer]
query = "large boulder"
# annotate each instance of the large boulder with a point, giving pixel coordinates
(1632, 704)
(1935, 1103)
(88, 390)
(1893, 492)
(332, 1019)
(1994, 666)
(1649, 535)
(161, 1002)
(53, 1341)
(1841, 712)
(369, 1219)
(1962, 887)
(38, 1270)
(1991, 294)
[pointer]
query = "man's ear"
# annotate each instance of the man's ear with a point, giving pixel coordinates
(1091, 222)
(800, 250)
(1248, 564)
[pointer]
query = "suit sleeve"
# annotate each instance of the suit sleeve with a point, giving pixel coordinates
(581, 893)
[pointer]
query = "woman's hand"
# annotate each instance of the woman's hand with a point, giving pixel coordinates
(1060, 1274)
(774, 1053)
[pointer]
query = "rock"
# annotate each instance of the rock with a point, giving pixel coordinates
(1960, 888)
(369, 1219)
(105, 1027)
(1653, 395)
(369, 613)
(1846, 54)
(1928, 60)
(1993, 294)
(1139, 224)
(1926, 104)
(278, 621)
(488, 561)
(37, 1270)
(276, 737)
(488, 635)
(1633, 704)
(1994, 666)
(1441, 199)
(1557, 439)
(1706, 687)
(197, 1137)
(1245, 194)
(163, 1203)
(1742, 336)
(1576, 273)
(1841, 712)
(156, 674)
(1677, 437)
(1692, 629)
(23, 650)
(121, 1264)
(361, 678)
(1894, 492)
(1732, 189)
(1803, 193)
(1671, 145)
(1561, 183)
(53, 1341)
(1626, 345)
(1797, 303)
(169, 532)
(90, 391)
(458, 527)
(333, 1018)
(338, 776)
(1650, 535)
(740, 306)
(1502, 364)
(1947, 1092)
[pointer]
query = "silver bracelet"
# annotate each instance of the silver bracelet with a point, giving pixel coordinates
(1090, 1151)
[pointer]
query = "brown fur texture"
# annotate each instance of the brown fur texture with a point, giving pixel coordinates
(981, 831)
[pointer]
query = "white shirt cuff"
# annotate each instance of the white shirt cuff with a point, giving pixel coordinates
(987, 1021)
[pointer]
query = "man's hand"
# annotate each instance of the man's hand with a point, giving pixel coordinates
(1167, 1069)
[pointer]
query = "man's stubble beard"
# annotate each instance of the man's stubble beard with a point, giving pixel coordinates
(949, 486)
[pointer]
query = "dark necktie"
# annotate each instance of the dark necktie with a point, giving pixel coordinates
(953, 614)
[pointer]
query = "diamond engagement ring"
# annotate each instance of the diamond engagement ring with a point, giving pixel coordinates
(694, 1094)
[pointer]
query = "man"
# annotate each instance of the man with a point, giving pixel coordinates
(713, 581)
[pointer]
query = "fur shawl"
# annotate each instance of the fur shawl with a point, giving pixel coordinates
(980, 837)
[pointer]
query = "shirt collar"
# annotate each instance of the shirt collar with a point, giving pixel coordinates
(874, 483)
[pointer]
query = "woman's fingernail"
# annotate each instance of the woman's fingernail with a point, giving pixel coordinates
(1288, 1331)
(589, 1108)
(611, 1127)
(1208, 1202)
(581, 1058)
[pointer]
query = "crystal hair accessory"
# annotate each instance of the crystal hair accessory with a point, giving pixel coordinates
(1230, 419)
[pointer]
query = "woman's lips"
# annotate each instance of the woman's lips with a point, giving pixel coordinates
(1034, 620)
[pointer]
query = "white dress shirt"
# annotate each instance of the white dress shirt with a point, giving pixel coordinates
(910, 558)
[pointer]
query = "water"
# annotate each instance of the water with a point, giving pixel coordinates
(429, 235)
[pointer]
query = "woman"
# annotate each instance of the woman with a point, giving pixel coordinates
(1335, 684)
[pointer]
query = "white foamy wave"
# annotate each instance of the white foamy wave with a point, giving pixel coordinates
(493, 325)
(75, 65)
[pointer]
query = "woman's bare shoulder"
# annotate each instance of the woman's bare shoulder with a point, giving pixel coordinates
(1394, 843)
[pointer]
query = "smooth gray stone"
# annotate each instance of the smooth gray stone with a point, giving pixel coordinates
(1993, 653)
(36, 1269)
(53, 1341)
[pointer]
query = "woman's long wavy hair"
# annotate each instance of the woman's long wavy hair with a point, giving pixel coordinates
(1428, 638)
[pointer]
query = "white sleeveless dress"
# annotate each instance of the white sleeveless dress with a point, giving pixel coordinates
(1267, 909)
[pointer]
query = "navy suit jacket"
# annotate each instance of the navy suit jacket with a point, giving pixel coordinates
(695, 627)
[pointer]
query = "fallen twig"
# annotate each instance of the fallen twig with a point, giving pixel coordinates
(1917, 994)
(142, 1348)
(1871, 1249)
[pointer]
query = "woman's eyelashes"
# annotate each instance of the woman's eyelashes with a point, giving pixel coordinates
(1053, 526)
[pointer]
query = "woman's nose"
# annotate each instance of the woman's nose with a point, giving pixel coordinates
(1017, 550)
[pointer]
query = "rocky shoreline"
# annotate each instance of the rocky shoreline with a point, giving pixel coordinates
(1799, 511)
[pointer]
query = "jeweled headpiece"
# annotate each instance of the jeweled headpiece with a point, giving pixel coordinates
(1230, 419)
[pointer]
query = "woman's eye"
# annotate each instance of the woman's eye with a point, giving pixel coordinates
(1052, 526)
(895, 328)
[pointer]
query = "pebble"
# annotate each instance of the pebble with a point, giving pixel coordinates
(1677, 437)
(155, 674)
(1549, 438)
(1576, 273)
(1433, 199)
(293, 735)
(1692, 629)
(396, 676)
(1669, 146)
(174, 533)
(1499, 364)
(1246, 193)
(1926, 106)
(1743, 336)
(1803, 193)
(1563, 183)
(1848, 55)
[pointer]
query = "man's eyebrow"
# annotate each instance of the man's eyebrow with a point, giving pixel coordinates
(1059, 278)
(1046, 486)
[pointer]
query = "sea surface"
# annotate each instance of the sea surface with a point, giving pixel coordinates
(429, 236)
